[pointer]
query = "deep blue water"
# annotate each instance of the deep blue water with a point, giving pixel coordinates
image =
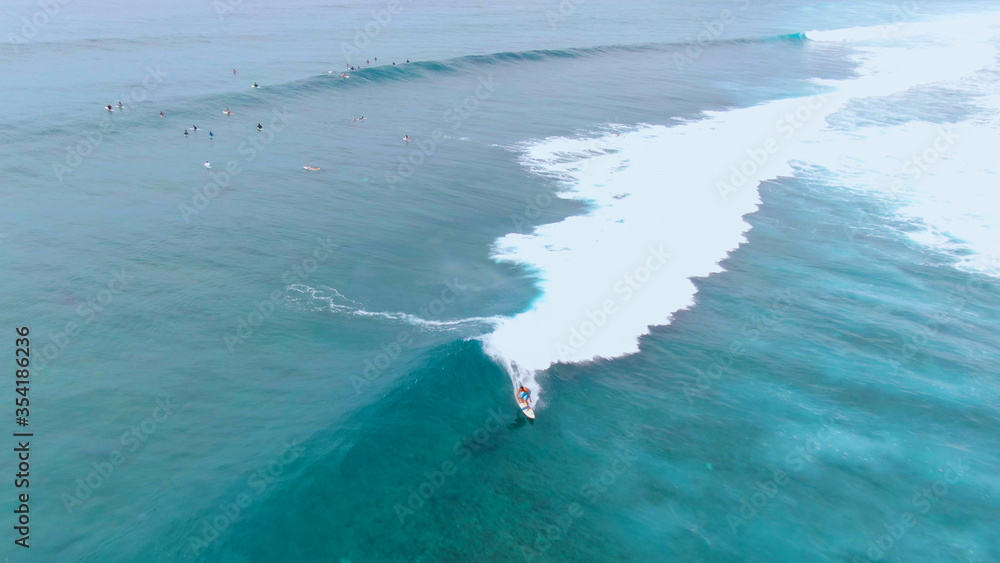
(291, 364)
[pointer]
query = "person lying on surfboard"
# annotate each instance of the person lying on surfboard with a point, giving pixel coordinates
(524, 394)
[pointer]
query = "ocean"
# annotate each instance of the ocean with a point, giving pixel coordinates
(744, 254)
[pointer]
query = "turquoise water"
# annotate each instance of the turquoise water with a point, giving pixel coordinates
(297, 365)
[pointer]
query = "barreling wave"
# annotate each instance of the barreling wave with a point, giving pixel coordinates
(422, 69)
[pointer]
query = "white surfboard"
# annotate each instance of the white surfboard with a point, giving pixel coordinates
(528, 412)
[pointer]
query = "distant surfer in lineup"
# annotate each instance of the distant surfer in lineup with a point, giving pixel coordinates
(211, 135)
(195, 127)
(260, 127)
(255, 85)
(161, 114)
(208, 164)
(524, 401)
(185, 132)
(307, 167)
(234, 72)
(406, 138)
(120, 104)
(109, 108)
(227, 112)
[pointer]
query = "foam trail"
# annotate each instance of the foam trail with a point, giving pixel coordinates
(668, 205)
(328, 298)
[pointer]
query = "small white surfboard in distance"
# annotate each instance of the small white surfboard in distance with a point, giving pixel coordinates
(528, 412)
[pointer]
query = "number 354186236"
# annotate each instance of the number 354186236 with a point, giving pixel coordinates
(21, 358)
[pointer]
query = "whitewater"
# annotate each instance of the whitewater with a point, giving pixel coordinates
(667, 203)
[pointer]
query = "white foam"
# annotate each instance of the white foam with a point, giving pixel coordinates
(659, 187)
(944, 177)
(909, 26)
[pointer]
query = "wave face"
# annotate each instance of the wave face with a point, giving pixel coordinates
(416, 70)
(667, 203)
